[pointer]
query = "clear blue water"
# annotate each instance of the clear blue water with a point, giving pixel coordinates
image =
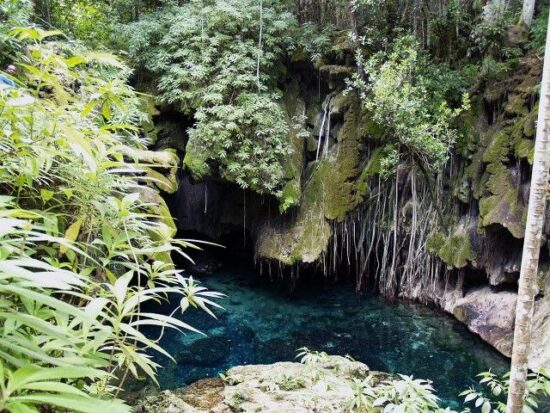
(263, 324)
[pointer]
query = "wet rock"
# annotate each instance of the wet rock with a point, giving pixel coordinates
(257, 388)
(205, 351)
(492, 314)
(489, 314)
(540, 345)
(203, 394)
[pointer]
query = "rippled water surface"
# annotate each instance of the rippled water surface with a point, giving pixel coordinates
(262, 324)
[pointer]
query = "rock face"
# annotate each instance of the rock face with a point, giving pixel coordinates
(491, 314)
(331, 212)
(275, 388)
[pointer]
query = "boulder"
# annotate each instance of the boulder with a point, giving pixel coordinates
(491, 314)
(283, 387)
(539, 355)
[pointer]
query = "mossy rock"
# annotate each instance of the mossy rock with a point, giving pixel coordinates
(454, 250)
(498, 149)
(373, 167)
(294, 162)
(503, 209)
(524, 148)
(334, 178)
(502, 206)
(516, 106)
(330, 191)
(196, 163)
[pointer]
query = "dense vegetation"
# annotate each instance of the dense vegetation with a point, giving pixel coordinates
(86, 239)
(83, 244)
(207, 59)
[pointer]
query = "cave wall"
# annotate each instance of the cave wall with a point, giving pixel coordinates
(336, 214)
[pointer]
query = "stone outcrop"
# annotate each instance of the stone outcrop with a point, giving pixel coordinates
(274, 388)
(332, 178)
(330, 190)
(491, 314)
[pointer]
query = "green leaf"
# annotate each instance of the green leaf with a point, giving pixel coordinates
(46, 194)
(75, 61)
(486, 408)
(18, 407)
(71, 234)
(76, 403)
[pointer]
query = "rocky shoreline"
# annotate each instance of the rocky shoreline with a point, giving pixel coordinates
(284, 387)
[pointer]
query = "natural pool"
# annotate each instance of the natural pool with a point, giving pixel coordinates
(263, 324)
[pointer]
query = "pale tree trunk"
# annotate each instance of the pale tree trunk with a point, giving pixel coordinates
(527, 12)
(494, 10)
(531, 245)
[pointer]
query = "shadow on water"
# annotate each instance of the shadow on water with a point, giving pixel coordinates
(261, 323)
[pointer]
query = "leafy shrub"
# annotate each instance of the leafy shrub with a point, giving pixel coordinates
(247, 139)
(289, 383)
(493, 397)
(408, 97)
(13, 13)
(537, 35)
(209, 61)
(82, 246)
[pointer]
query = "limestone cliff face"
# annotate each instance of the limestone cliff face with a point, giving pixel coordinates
(336, 213)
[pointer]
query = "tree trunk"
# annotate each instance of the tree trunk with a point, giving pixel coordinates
(494, 11)
(531, 245)
(527, 12)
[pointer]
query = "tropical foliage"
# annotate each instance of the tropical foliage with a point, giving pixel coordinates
(492, 398)
(82, 245)
(219, 60)
(409, 97)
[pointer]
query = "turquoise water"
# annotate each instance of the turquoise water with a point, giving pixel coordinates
(263, 324)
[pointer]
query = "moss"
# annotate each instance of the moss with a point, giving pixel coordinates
(340, 103)
(516, 106)
(474, 172)
(336, 176)
(330, 192)
(373, 167)
(290, 195)
(503, 209)
(523, 148)
(455, 250)
(196, 163)
(370, 128)
(498, 149)
(502, 206)
(529, 124)
(543, 273)
(294, 163)
(494, 185)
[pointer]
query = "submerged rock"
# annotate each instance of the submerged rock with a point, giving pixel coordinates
(276, 349)
(205, 351)
(283, 387)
